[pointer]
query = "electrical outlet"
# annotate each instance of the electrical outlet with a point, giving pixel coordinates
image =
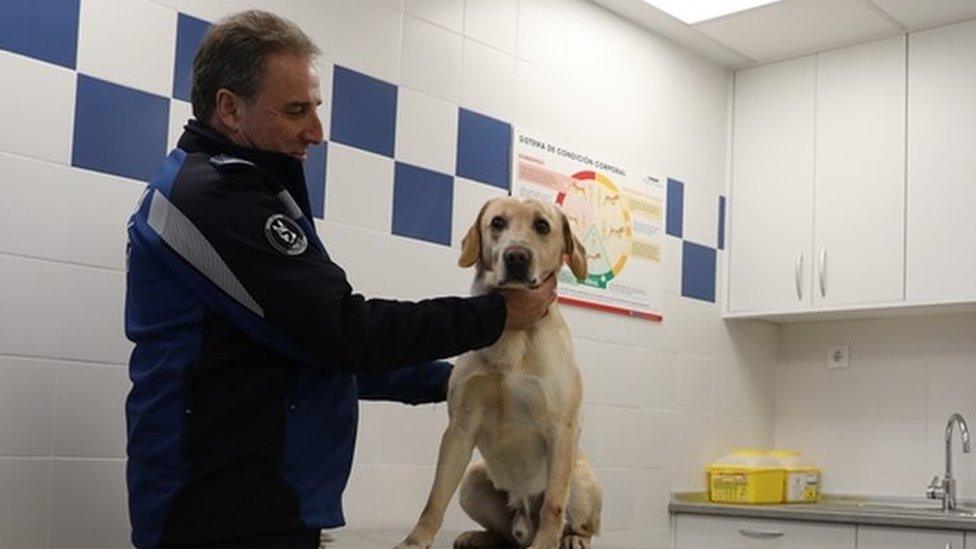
(839, 356)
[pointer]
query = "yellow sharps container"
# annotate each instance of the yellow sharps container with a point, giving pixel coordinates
(802, 482)
(746, 476)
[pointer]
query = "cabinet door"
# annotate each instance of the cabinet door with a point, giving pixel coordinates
(696, 532)
(875, 537)
(859, 189)
(941, 197)
(771, 205)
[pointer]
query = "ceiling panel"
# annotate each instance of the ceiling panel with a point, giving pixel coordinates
(795, 27)
(924, 13)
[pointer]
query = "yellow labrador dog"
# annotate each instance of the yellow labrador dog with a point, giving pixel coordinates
(518, 401)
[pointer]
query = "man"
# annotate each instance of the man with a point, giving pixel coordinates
(251, 349)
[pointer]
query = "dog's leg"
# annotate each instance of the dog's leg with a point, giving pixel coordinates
(584, 507)
(487, 506)
(562, 457)
(457, 445)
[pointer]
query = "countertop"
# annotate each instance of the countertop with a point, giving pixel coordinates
(387, 538)
(882, 511)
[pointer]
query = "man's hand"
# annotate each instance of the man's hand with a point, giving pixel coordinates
(526, 306)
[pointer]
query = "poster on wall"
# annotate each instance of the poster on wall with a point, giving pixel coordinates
(615, 210)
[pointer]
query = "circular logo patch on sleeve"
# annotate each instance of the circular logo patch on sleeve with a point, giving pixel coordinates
(285, 235)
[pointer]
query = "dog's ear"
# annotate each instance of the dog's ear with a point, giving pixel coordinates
(574, 250)
(471, 244)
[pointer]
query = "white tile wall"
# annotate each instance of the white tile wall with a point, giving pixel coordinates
(363, 178)
(661, 399)
(42, 98)
(426, 131)
(179, 113)
(446, 13)
(879, 427)
(493, 22)
(368, 38)
(487, 78)
(431, 59)
(26, 488)
(137, 51)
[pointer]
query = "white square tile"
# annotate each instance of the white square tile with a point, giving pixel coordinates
(899, 385)
(88, 504)
(91, 324)
(359, 188)
(617, 433)
(89, 416)
(446, 13)
(901, 447)
(431, 59)
(426, 131)
(138, 52)
(657, 438)
(27, 184)
(99, 206)
(403, 494)
(26, 488)
(651, 499)
(26, 406)
(38, 108)
(695, 377)
(30, 307)
(700, 216)
(469, 197)
(368, 38)
(493, 22)
(179, 113)
(488, 80)
(619, 498)
(671, 263)
(326, 70)
(541, 35)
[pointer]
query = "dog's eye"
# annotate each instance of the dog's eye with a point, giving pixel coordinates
(498, 223)
(542, 226)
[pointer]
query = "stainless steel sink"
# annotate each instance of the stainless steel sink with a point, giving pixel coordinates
(896, 507)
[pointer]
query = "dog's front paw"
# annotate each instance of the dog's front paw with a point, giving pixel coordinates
(572, 541)
(413, 543)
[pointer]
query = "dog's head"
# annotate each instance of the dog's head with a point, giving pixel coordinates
(519, 243)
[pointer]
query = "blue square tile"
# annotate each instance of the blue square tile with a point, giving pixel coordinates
(484, 150)
(698, 271)
(43, 29)
(119, 130)
(189, 35)
(676, 207)
(721, 222)
(422, 203)
(315, 178)
(363, 112)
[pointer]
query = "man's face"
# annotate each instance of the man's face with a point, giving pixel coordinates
(281, 117)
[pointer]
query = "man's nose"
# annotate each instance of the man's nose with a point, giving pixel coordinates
(313, 131)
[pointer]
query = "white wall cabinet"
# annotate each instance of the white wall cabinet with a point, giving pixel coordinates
(941, 195)
(696, 532)
(859, 178)
(875, 537)
(707, 532)
(817, 203)
(771, 206)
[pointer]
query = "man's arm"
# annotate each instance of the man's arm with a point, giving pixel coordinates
(305, 298)
(419, 384)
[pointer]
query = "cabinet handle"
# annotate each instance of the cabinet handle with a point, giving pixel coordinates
(760, 534)
(823, 272)
(948, 545)
(799, 275)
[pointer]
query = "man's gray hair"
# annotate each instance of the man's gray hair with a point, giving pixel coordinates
(233, 52)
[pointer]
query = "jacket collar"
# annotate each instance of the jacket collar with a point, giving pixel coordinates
(289, 171)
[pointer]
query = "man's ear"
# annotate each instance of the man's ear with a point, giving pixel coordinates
(471, 245)
(575, 252)
(228, 108)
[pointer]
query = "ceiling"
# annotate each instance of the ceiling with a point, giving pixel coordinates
(791, 28)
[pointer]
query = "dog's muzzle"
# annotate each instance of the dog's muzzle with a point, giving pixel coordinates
(517, 260)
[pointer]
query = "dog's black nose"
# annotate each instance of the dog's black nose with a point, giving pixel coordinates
(517, 259)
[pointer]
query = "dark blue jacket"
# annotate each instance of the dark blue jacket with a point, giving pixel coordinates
(252, 350)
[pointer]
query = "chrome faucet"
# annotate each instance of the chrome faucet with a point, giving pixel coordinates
(946, 488)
